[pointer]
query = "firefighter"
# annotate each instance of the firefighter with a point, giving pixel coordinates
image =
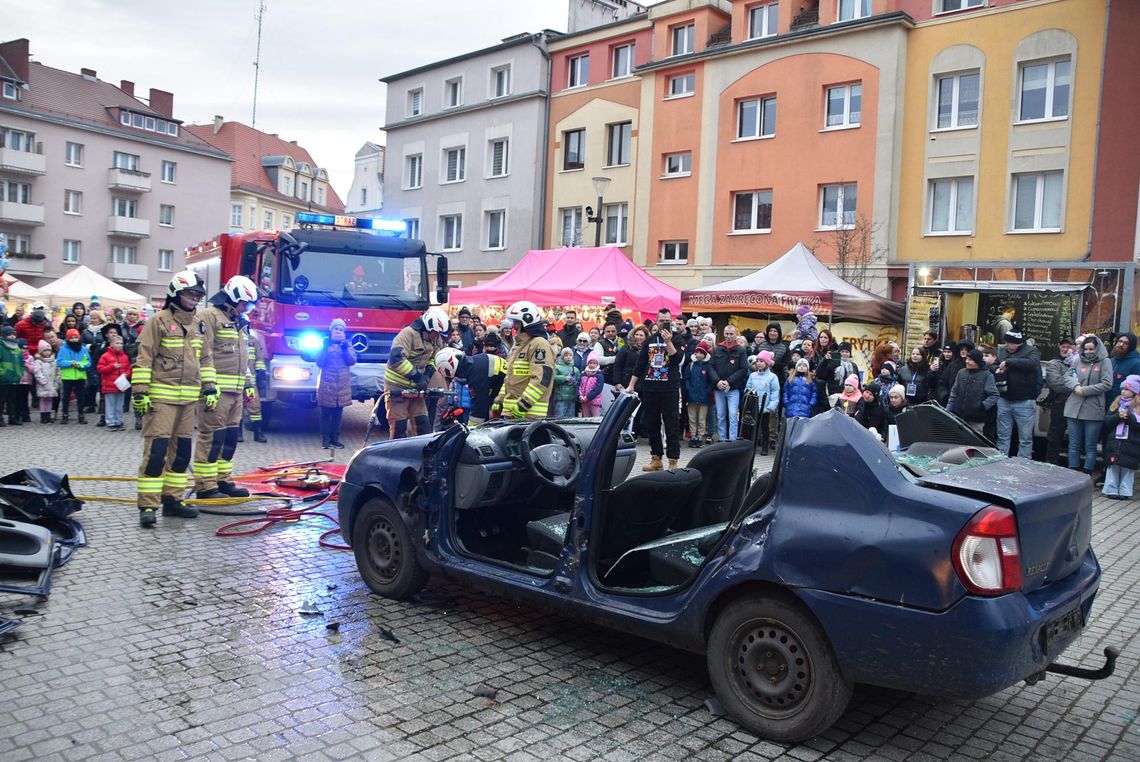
(410, 368)
(227, 335)
(173, 370)
(482, 373)
(260, 389)
(530, 366)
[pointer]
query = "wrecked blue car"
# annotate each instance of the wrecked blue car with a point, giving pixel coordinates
(945, 568)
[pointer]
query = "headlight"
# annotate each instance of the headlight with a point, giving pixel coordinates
(292, 373)
(310, 341)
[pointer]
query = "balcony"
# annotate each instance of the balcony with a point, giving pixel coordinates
(26, 264)
(128, 180)
(15, 213)
(22, 162)
(129, 273)
(128, 227)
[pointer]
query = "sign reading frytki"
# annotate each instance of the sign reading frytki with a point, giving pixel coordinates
(759, 301)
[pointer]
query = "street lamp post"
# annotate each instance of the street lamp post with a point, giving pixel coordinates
(600, 185)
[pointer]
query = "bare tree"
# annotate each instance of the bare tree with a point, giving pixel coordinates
(855, 250)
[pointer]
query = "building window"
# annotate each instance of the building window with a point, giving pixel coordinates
(416, 102)
(579, 71)
(679, 164)
(453, 93)
(574, 149)
(169, 171)
(124, 255)
(287, 182)
(17, 140)
(319, 190)
(286, 221)
(854, 9)
(364, 197)
(498, 154)
(454, 164)
(684, 38)
(844, 106)
(414, 171)
(16, 193)
(571, 226)
(674, 251)
(304, 191)
(837, 205)
(267, 223)
(756, 118)
(71, 251)
(496, 224)
(19, 243)
(73, 157)
(952, 205)
(752, 212)
(1045, 90)
(124, 207)
(11, 92)
(501, 81)
(620, 137)
(946, 6)
(166, 215)
(617, 224)
(72, 202)
(762, 20)
(1037, 202)
(622, 61)
(165, 260)
(682, 85)
(127, 161)
(451, 232)
(958, 101)
(235, 215)
(412, 227)
(253, 218)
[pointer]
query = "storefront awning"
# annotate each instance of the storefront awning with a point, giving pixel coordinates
(990, 286)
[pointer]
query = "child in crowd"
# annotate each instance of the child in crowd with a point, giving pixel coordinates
(46, 374)
(565, 385)
(590, 387)
(334, 388)
(112, 364)
(850, 397)
(799, 392)
(73, 360)
(896, 403)
(1122, 445)
(698, 386)
(872, 415)
(764, 383)
(11, 369)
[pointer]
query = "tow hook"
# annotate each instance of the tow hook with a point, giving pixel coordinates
(1110, 655)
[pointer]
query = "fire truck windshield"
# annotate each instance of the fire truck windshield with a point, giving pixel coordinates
(336, 278)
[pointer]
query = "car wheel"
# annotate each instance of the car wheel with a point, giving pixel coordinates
(774, 670)
(384, 552)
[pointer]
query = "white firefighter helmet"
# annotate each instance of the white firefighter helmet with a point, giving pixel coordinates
(447, 361)
(240, 289)
(524, 313)
(187, 280)
(435, 319)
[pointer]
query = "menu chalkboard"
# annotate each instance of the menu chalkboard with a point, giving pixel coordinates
(1041, 316)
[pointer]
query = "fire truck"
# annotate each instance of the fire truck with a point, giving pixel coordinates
(362, 270)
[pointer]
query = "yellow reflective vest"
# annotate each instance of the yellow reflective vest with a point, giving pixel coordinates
(229, 343)
(174, 363)
(530, 378)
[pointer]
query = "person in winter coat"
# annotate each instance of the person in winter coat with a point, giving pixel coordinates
(113, 362)
(11, 369)
(882, 354)
(896, 403)
(73, 360)
(627, 358)
(729, 373)
(565, 385)
(31, 328)
(974, 392)
(1122, 445)
(26, 386)
(872, 413)
(1019, 380)
(698, 387)
(581, 349)
(590, 387)
(46, 375)
(915, 377)
(764, 383)
(833, 370)
(799, 392)
(950, 370)
(773, 341)
(849, 399)
(1125, 362)
(938, 372)
(888, 376)
(1089, 383)
(1057, 372)
(334, 387)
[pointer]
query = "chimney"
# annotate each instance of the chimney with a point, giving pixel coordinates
(162, 102)
(293, 142)
(89, 73)
(15, 54)
(127, 87)
(218, 122)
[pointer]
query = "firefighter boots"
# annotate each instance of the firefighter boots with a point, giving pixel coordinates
(229, 489)
(147, 517)
(172, 506)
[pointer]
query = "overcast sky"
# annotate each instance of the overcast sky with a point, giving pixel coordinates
(320, 60)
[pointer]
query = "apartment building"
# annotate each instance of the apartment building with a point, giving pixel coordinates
(466, 154)
(366, 196)
(93, 174)
(271, 179)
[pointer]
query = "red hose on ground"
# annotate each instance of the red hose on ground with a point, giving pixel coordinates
(275, 516)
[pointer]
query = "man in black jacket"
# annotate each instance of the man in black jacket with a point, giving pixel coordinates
(728, 372)
(570, 329)
(1019, 380)
(659, 370)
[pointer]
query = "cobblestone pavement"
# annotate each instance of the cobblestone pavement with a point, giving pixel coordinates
(175, 643)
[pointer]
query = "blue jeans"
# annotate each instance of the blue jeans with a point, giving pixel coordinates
(1085, 433)
(727, 414)
(1118, 481)
(565, 408)
(1024, 412)
(113, 408)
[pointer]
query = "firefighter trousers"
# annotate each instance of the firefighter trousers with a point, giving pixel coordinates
(167, 441)
(253, 407)
(400, 410)
(217, 440)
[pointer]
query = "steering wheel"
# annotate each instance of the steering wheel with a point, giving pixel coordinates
(556, 463)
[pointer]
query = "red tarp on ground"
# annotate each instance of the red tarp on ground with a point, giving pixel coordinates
(573, 277)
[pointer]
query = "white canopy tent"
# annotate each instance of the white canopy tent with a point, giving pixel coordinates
(82, 283)
(21, 293)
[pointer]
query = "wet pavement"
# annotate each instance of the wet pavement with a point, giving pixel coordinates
(174, 643)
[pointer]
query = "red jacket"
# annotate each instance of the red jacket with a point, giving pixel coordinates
(30, 331)
(111, 363)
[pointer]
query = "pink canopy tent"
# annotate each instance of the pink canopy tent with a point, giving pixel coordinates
(575, 276)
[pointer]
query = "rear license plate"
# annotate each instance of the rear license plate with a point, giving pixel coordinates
(1061, 628)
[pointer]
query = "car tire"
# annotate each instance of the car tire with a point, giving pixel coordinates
(802, 692)
(384, 551)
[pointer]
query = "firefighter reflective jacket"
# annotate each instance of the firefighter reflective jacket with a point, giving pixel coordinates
(174, 363)
(530, 378)
(228, 338)
(256, 352)
(412, 354)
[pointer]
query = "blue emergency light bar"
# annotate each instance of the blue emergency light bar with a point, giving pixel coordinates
(347, 221)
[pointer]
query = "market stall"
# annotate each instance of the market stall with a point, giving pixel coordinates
(16, 292)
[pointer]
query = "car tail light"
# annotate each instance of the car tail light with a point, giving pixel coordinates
(987, 555)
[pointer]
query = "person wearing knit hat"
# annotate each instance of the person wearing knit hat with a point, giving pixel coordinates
(1122, 441)
(799, 392)
(334, 385)
(698, 390)
(896, 403)
(974, 392)
(74, 359)
(1019, 381)
(849, 399)
(872, 413)
(45, 373)
(590, 386)
(566, 374)
(766, 386)
(704, 346)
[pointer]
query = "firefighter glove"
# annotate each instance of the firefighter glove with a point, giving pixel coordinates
(210, 397)
(250, 393)
(141, 404)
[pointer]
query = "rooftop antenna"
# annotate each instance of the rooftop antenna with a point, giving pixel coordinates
(257, 61)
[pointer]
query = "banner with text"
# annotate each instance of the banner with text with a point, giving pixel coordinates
(759, 301)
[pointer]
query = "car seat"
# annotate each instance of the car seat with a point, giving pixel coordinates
(724, 474)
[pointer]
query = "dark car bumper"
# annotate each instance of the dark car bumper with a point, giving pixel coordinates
(975, 648)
